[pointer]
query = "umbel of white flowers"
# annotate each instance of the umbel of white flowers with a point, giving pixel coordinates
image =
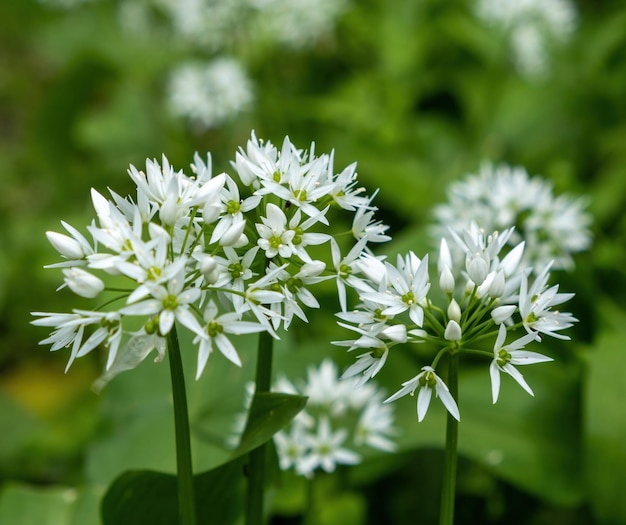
(500, 197)
(221, 255)
(492, 296)
(338, 422)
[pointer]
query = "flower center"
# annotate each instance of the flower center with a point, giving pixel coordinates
(294, 284)
(235, 270)
(214, 329)
(409, 299)
(276, 241)
(300, 195)
(345, 270)
(428, 380)
(170, 302)
(503, 357)
(233, 207)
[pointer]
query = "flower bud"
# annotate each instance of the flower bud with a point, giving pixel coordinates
(233, 234)
(396, 333)
(167, 213)
(446, 280)
(477, 268)
(208, 267)
(83, 283)
(65, 245)
(211, 211)
(502, 313)
(242, 241)
(496, 288)
(453, 331)
(454, 311)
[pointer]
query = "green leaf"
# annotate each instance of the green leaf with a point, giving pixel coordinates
(23, 505)
(533, 442)
(269, 413)
(150, 497)
(605, 428)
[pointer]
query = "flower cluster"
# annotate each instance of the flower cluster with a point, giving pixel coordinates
(221, 255)
(529, 24)
(339, 420)
(492, 295)
(501, 197)
(211, 93)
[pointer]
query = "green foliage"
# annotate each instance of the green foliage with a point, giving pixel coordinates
(150, 497)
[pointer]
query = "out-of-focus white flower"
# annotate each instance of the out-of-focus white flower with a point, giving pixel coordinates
(338, 422)
(530, 25)
(498, 198)
(209, 94)
(296, 23)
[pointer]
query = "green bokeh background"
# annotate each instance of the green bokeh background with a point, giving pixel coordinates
(418, 93)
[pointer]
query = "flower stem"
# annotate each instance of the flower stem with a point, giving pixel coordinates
(186, 500)
(446, 515)
(256, 472)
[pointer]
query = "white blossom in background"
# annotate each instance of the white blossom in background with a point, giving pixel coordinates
(489, 293)
(218, 255)
(209, 94)
(338, 423)
(497, 198)
(530, 25)
(296, 23)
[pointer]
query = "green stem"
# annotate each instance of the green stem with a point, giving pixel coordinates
(446, 516)
(186, 500)
(256, 472)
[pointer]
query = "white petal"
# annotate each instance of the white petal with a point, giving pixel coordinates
(494, 372)
(423, 400)
(227, 348)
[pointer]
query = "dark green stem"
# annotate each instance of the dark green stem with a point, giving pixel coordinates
(186, 500)
(256, 472)
(446, 515)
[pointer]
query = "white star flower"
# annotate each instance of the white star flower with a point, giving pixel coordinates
(427, 381)
(507, 356)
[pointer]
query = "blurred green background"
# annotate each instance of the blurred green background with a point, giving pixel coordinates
(418, 93)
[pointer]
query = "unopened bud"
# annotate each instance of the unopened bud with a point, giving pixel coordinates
(453, 331)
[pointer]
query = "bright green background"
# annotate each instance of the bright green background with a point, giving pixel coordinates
(418, 93)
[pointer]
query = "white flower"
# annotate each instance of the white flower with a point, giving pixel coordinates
(500, 197)
(326, 451)
(535, 303)
(368, 365)
(170, 303)
(344, 267)
(507, 356)
(408, 286)
(213, 334)
(375, 425)
(210, 93)
(427, 381)
(275, 238)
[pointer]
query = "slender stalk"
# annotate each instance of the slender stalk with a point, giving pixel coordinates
(446, 515)
(186, 500)
(256, 472)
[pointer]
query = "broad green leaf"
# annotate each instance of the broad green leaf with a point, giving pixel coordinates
(605, 428)
(151, 497)
(269, 413)
(24, 505)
